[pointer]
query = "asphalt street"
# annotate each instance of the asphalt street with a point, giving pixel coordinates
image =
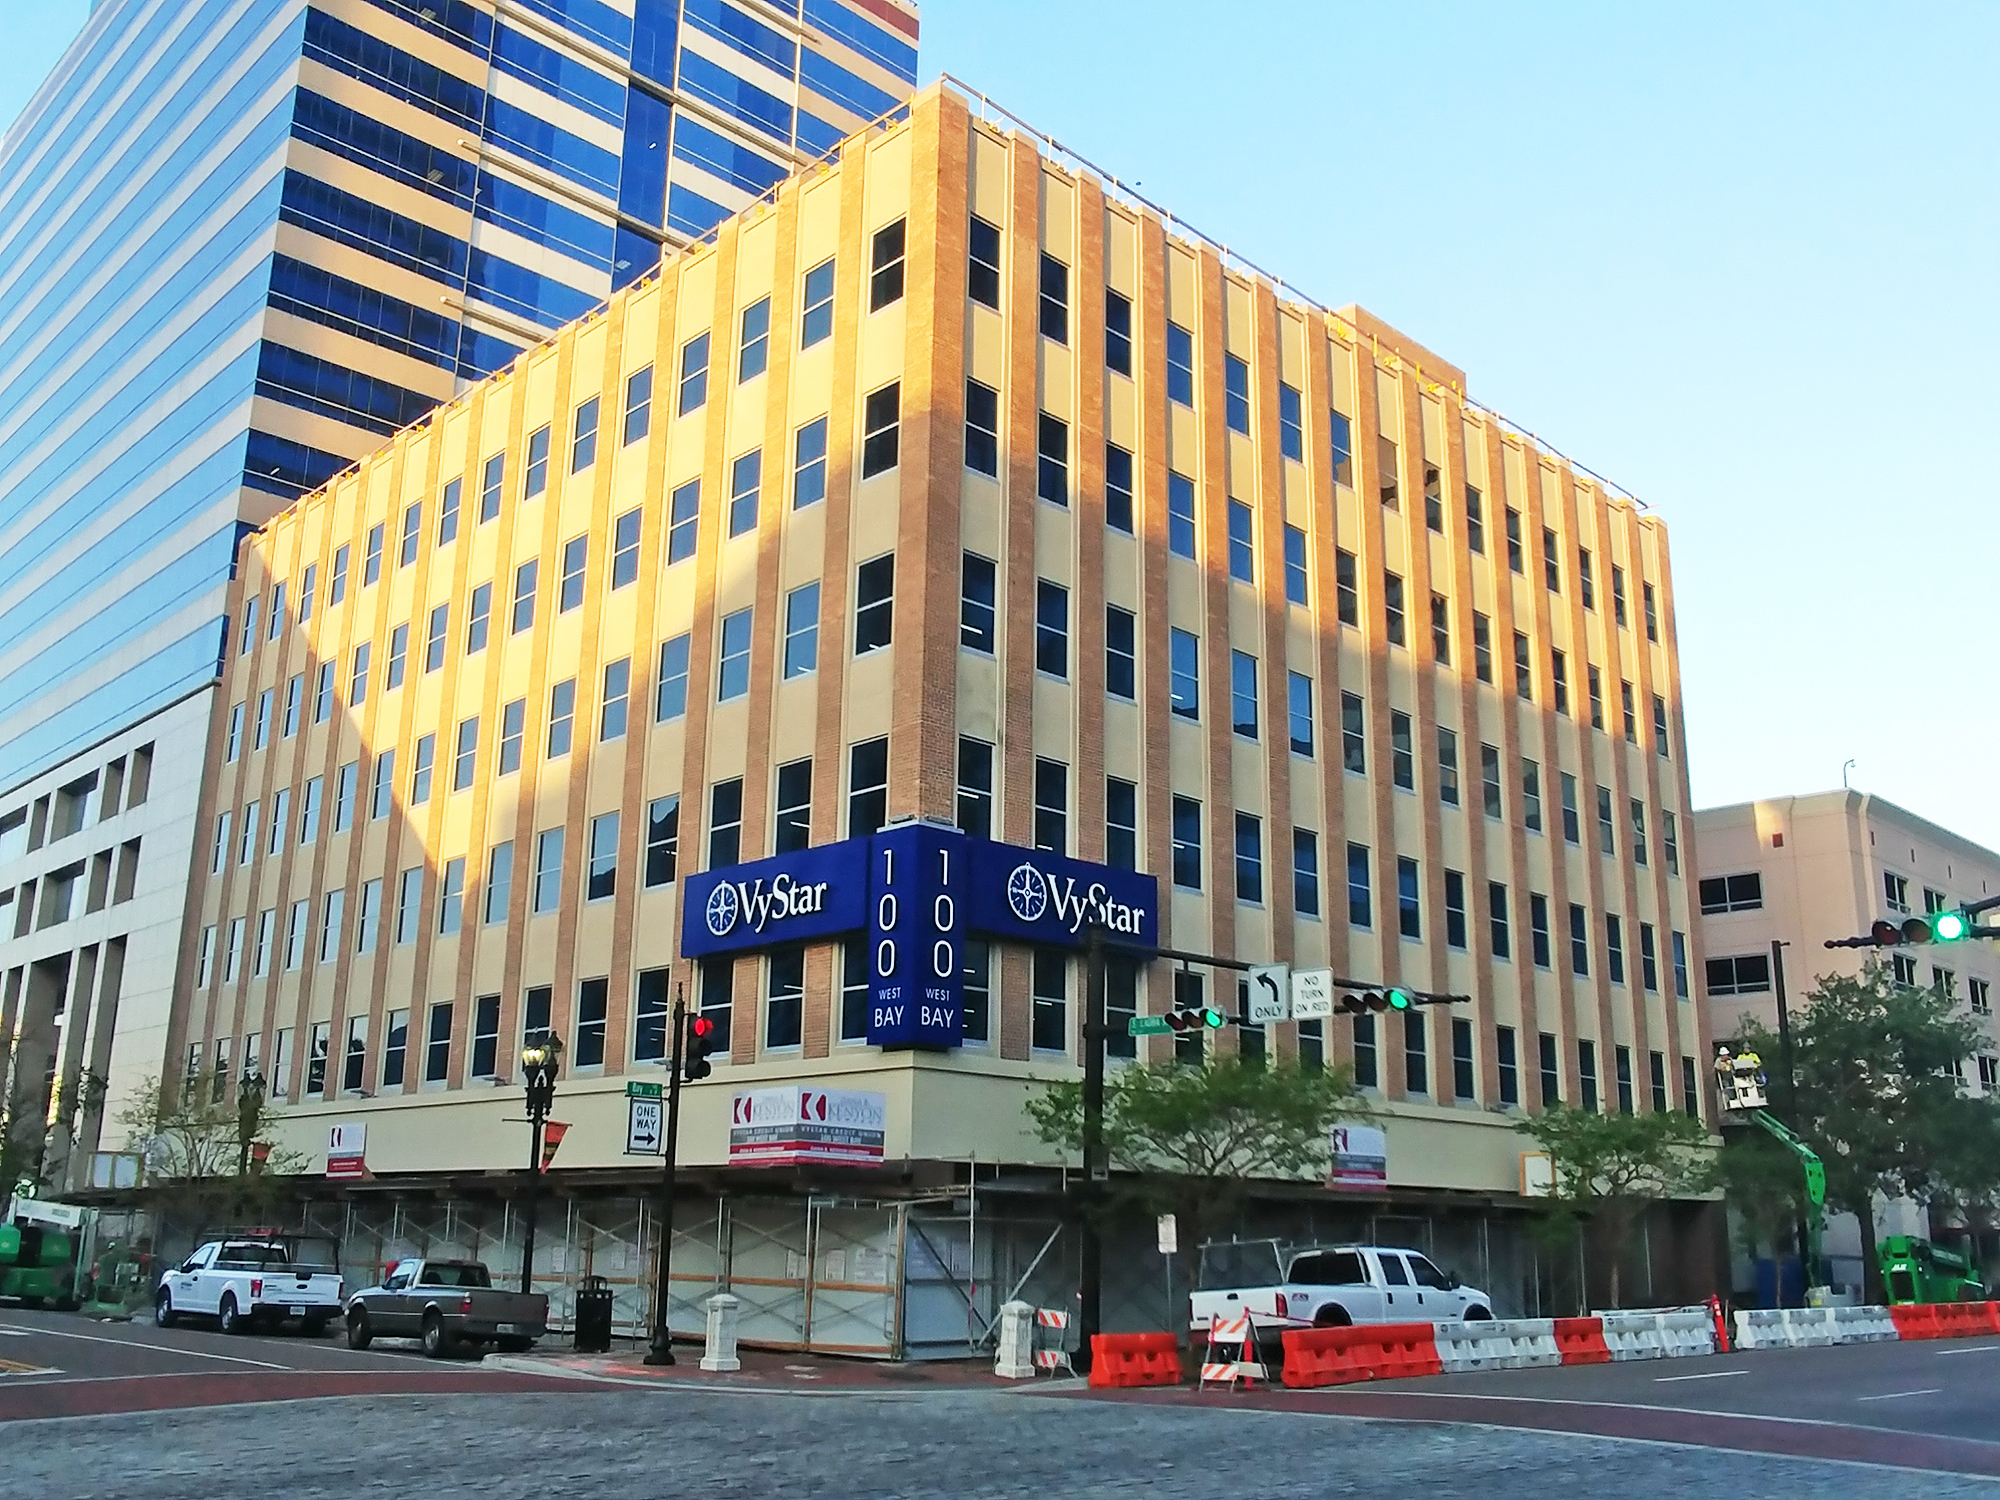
(41, 1346)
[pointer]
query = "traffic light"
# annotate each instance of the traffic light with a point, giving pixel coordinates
(1378, 1001)
(1195, 1019)
(701, 1040)
(1932, 927)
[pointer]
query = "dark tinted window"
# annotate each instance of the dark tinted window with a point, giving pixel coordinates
(1427, 1274)
(1329, 1268)
(1393, 1271)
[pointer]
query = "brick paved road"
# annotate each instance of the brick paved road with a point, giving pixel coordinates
(622, 1442)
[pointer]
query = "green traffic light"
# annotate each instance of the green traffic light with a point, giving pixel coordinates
(1948, 926)
(1399, 1000)
(1212, 1017)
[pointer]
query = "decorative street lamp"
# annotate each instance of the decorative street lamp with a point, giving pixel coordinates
(541, 1060)
(249, 1108)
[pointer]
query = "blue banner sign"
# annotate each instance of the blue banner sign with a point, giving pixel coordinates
(916, 953)
(791, 898)
(1032, 896)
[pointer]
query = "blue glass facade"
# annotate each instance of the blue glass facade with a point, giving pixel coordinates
(243, 240)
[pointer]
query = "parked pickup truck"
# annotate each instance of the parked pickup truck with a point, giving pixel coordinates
(1329, 1286)
(254, 1282)
(447, 1304)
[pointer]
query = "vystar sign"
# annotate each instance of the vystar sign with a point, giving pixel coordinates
(800, 1123)
(917, 890)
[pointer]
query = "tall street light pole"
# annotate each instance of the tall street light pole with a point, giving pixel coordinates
(541, 1060)
(1808, 1272)
(662, 1350)
(1096, 1170)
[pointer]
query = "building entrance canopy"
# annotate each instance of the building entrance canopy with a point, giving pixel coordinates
(917, 889)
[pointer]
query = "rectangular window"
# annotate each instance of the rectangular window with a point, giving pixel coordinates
(1652, 619)
(1538, 929)
(492, 480)
(670, 701)
(1433, 499)
(1242, 549)
(485, 1036)
(367, 918)
(1447, 766)
(1291, 422)
(868, 787)
(465, 756)
(524, 595)
(1596, 689)
(1402, 751)
(625, 548)
(1347, 592)
(746, 484)
(1121, 652)
(976, 603)
(332, 912)
(663, 840)
(982, 429)
(1507, 1064)
(1586, 1072)
(1630, 715)
(1409, 899)
(1649, 958)
(1559, 681)
(1184, 673)
(650, 1016)
(694, 374)
(409, 905)
(575, 563)
(1482, 647)
(354, 1065)
(1051, 628)
(982, 271)
(1297, 581)
(1500, 930)
(1659, 725)
(336, 588)
(1049, 984)
(683, 519)
(1679, 941)
(1416, 1056)
(732, 679)
(1387, 464)
(281, 809)
(1299, 713)
(975, 787)
(1461, 1059)
(1657, 1067)
(854, 990)
(399, 655)
(1531, 795)
(1360, 897)
(1117, 332)
(1579, 940)
(1586, 582)
(261, 735)
(816, 316)
(1243, 694)
(413, 531)
(380, 795)
(1180, 365)
(617, 697)
(435, 638)
(1475, 520)
(1121, 823)
(1524, 671)
(1441, 629)
(535, 478)
(1515, 561)
(1748, 975)
(793, 825)
(1117, 488)
(1618, 594)
(601, 874)
(1550, 1069)
(1367, 1065)
(1454, 908)
(1249, 858)
(1187, 843)
(371, 558)
(451, 896)
(1638, 831)
(754, 341)
(420, 774)
(1551, 566)
(1353, 736)
(513, 723)
(1896, 891)
(1305, 872)
(638, 404)
(1614, 948)
(1121, 1006)
(1052, 459)
(1392, 608)
(1051, 805)
(1489, 781)
(1607, 833)
(1180, 515)
(801, 653)
(499, 881)
(1053, 304)
(548, 870)
(881, 429)
(874, 604)
(296, 922)
(233, 745)
(562, 717)
(323, 694)
(583, 441)
(1572, 833)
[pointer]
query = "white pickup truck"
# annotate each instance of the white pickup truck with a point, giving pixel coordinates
(1330, 1286)
(254, 1282)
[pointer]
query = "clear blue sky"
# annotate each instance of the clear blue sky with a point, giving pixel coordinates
(1737, 258)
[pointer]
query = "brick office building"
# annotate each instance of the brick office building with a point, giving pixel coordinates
(950, 483)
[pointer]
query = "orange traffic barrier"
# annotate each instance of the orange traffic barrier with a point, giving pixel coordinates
(1127, 1359)
(1917, 1321)
(1963, 1320)
(1580, 1341)
(1341, 1356)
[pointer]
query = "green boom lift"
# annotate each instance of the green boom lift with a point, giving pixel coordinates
(1741, 1082)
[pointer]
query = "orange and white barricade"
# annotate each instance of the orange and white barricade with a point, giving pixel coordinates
(1052, 1340)
(1237, 1333)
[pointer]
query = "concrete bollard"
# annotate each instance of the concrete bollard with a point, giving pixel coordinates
(1016, 1359)
(720, 1355)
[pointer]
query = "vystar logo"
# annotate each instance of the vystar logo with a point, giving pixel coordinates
(760, 902)
(1031, 892)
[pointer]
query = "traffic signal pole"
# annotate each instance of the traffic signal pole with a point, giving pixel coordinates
(1808, 1269)
(662, 1350)
(1096, 1170)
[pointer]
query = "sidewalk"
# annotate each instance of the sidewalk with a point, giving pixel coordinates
(767, 1370)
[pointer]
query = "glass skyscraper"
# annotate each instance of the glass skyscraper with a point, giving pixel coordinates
(241, 243)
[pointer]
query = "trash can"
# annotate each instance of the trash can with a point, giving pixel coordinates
(593, 1316)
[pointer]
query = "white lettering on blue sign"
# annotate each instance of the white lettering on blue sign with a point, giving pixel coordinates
(758, 903)
(1032, 892)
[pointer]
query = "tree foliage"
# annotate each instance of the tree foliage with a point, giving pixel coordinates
(198, 1144)
(1193, 1138)
(1609, 1168)
(1881, 1099)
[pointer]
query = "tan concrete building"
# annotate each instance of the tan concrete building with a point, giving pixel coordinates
(949, 482)
(1801, 870)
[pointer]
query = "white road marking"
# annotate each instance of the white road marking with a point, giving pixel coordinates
(1710, 1375)
(92, 1338)
(1899, 1395)
(1973, 1349)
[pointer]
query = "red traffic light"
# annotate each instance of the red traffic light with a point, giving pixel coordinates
(1916, 930)
(701, 1028)
(1887, 934)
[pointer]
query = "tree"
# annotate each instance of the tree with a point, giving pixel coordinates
(1609, 1168)
(202, 1144)
(1194, 1137)
(1880, 1097)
